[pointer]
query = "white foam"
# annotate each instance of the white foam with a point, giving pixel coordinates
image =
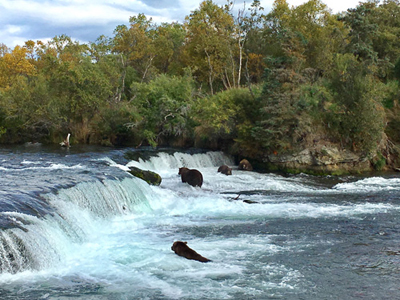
(114, 164)
(28, 162)
(370, 184)
(164, 161)
(51, 166)
(118, 234)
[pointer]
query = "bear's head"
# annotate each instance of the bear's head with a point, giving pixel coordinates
(177, 244)
(183, 170)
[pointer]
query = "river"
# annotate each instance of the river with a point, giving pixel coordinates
(76, 225)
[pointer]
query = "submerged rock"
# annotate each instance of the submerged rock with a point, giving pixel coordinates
(250, 201)
(148, 176)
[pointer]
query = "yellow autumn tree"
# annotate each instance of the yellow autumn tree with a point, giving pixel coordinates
(210, 45)
(134, 44)
(14, 64)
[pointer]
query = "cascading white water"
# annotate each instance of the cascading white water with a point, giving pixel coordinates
(39, 243)
(110, 237)
(164, 161)
(43, 242)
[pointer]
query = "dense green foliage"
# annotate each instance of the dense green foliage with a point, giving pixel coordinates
(258, 83)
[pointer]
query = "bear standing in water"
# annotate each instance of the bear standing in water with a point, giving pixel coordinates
(224, 169)
(245, 165)
(191, 176)
(182, 249)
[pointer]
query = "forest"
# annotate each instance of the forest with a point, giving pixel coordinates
(244, 81)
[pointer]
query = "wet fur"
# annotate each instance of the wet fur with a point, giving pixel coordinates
(245, 165)
(182, 249)
(224, 169)
(191, 176)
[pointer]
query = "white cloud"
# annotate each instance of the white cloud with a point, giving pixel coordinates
(11, 29)
(335, 5)
(86, 20)
(59, 13)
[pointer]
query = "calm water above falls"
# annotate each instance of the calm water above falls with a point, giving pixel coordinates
(75, 225)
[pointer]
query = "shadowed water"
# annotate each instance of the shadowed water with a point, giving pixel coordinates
(75, 225)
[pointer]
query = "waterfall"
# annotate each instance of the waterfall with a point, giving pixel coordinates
(36, 243)
(39, 236)
(163, 161)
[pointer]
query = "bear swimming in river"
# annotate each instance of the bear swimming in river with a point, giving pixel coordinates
(245, 165)
(224, 169)
(182, 249)
(191, 176)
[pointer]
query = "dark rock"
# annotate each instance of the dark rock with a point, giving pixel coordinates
(321, 160)
(250, 201)
(148, 176)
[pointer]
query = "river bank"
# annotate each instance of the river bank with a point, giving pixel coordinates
(327, 160)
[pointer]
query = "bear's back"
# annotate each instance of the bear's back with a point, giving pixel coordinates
(191, 176)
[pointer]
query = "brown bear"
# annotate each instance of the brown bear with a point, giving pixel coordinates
(191, 176)
(182, 249)
(245, 165)
(224, 169)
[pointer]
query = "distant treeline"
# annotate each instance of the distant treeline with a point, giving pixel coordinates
(255, 82)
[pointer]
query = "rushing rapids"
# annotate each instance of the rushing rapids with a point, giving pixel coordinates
(74, 223)
(39, 225)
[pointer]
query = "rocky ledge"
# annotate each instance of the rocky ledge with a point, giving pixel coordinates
(324, 160)
(148, 176)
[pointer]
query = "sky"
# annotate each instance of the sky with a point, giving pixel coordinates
(85, 21)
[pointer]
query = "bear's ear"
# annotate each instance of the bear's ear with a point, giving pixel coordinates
(185, 243)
